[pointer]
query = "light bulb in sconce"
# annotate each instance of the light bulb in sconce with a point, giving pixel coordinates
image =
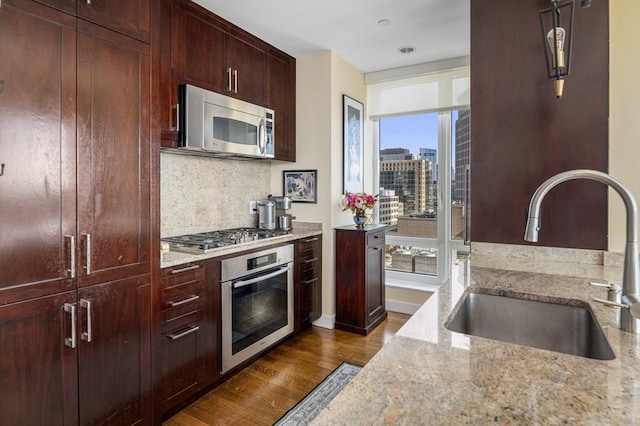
(557, 46)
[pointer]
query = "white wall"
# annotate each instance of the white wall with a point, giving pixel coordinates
(321, 81)
(624, 110)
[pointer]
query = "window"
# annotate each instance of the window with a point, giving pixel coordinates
(422, 134)
(425, 205)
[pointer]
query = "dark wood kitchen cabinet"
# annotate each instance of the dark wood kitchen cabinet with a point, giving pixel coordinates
(360, 295)
(38, 371)
(37, 150)
(187, 339)
(113, 151)
(197, 47)
(129, 17)
(74, 220)
(208, 55)
(114, 352)
(282, 99)
(308, 281)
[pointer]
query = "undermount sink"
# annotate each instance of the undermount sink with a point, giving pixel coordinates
(556, 327)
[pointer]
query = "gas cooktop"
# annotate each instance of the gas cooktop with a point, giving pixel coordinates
(207, 241)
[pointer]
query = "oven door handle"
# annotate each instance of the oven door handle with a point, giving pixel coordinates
(239, 284)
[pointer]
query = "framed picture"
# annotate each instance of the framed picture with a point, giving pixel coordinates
(301, 185)
(353, 141)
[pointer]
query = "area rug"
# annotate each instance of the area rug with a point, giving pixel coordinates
(307, 409)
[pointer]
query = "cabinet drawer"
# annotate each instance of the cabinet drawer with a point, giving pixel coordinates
(181, 359)
(375, 238)
(309, 265)
(179, 300)
(178, 275)
(308, 244)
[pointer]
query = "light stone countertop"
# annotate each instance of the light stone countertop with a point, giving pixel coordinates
(300, 230)
(427, 374)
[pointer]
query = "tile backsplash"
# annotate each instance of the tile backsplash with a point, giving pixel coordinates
(199, 194)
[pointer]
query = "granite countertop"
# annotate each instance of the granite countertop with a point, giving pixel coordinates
(427, 374)
(300, 230)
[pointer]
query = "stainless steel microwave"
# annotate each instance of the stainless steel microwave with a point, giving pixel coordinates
(219, 125)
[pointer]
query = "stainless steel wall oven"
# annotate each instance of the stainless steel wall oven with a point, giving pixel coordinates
(257, 303)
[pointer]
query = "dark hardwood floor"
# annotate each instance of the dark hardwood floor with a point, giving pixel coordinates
(262, 392)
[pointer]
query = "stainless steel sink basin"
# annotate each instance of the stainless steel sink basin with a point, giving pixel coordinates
(568, 329)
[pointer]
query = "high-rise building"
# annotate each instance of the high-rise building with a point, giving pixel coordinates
(430, 155)
(411, 181)
(463, 137)
(394, 154)
(389, 207)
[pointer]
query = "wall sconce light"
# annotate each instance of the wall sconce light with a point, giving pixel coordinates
(557, 41)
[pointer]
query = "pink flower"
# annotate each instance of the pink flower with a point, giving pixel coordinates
(353, 201)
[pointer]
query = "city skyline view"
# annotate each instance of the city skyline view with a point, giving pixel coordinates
(412, 132)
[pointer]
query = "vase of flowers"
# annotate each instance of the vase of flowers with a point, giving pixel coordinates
(358, 203)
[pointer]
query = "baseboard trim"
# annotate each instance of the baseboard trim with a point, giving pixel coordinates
(326, 321)
(401, 307)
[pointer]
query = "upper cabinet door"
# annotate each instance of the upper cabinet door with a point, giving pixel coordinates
(199, 52)
(113, 155)
(247, 66)
(37, 150)
(282, 99)
(130, 17)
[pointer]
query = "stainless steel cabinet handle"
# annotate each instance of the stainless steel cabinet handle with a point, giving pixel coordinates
(86, 335)
(184, 301)
(310, 260)
(87, 253)
(188, 268)
(235, 81)
(229, 87)
(72, 255)
(71, 341)
(310, 240)
(176, 336)
(312, 280)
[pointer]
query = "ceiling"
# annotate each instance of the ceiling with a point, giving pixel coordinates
(437, 29)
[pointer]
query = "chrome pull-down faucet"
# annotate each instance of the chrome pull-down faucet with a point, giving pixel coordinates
(630, 304)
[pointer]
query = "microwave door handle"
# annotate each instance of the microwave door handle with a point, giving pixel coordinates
(262, 137)
(239, 284)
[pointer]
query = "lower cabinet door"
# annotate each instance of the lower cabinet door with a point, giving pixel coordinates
(114, 352)
(38, 373)
(375, 282)
(181, 359)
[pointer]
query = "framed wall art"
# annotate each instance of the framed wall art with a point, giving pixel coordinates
(353, 141)
(301, 185)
